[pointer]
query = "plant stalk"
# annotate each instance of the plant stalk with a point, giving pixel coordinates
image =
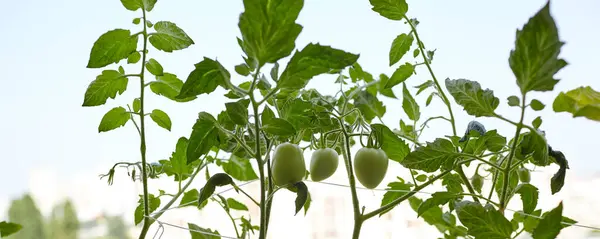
(513, 148)
(147, 221)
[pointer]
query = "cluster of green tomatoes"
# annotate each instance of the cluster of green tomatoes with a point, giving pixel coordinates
(370, 165)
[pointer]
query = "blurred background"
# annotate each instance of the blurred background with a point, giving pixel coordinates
(51, 154)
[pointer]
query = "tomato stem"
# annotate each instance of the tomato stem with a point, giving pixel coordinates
(507, 168)
(147, 221)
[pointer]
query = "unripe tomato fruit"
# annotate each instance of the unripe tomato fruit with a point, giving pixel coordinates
(524, 175)
(477, 182)
(323, 164)
(288, 164)
(370, 166)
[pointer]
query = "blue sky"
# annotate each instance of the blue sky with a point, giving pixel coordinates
(45, 46)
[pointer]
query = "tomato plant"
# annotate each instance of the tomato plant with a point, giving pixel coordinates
(271, 117)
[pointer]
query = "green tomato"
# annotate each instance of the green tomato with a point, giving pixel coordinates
(370, 166)
(477, 182)
(323, 164)
(524, 175)
(288, 164)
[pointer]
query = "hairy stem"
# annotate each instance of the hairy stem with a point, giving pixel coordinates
(147, 221)
(270, 184)
(513, 148)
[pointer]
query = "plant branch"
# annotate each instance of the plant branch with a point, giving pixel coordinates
(147, 221)
(507, 168)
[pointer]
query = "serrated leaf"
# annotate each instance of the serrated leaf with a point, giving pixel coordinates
(239, 168)
(483, 222)
(202, 233)
(580, 102)
(433, 216)
(513, 100)
(114, 118)
(476, 101)
(301, 195)
(9, 228)
(550, 225)
(400, 46)
(437, 199)
(534, 61)
(217, 180)
(383, 79)
(394, 147)
(179, 160)
(537, 122)
(390, 9)
(134, 57)
(313, 60)
(267, 115)
(536, 145)
(161, 119)
(409, 104)
(107, 85)
(204, 136)
(111, 47)
(431, 157)
(537, 105)
(394, 191)
(529, 196)
(369, 105)
(238, 112)
(169, 37)
(269, 29)
(278, 126)
(453, 183)
(154, 67)
(204, 79)
(153, 204)
(169, 86)
(134, 5)
(402, 73)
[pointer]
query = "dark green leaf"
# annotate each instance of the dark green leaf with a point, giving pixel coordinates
(278, 126)
(476, 101)
(269, 29)
(483, 222)
(409, 104)
(238, 112)
(581, 102)
(235, 205)
(204, 136)
(416, 53)
(239, 168)
(437, 199)
(537, 122)
(529, 196)
(267, 115)
(537, 105)
(114, 118)
(558, 180)
(149, 24)
(154, 67)
(242, 69)
(369, 105)
(169, 86)
(395, 191)
(390, 9)
(206, 233)
(179, 161)
(301, 195)
(429, 98)
(550, 225)
(432, 156)
(275, 72)
(168, 37)
(400, 46)
(153, 204)
(453, 183)
(219, 179)
(433, 216)
(383, 79)
(394, 147)
(531, 222)
(491, 141)
(513, 100)
(311, 61)
(400, 75)
(134, 5)
(535, 144)
(204, 79)
(107, 85)
(161, 119)
(8, 228)
(134, 57)
(534, 61)
(112, 47)
(137, 104)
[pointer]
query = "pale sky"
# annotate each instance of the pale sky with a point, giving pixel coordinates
(45, 46)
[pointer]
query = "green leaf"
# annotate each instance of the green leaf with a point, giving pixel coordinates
(537, 122)
(179, 161)
(394, 191)
(111, 47)
(114, 118)
(242, 69)
(154, 67)
(206, 233)
(400, 75)
(431, 157)
(134, 5)
(161, 119)
(168, 37)
(476, 102)
(219, 179)
(190, 198)
(369, 105)
(534, 61)
(558, 180)
(169, 86)
(513, 100)
(275, 72)
(429, 98)
(483, 222)
(9, 228)
(424, 86)
(409, 104)
(278, 126)
(537, 105)
(383, 79)
(149, 23)
(239, 168)
(204, 136)
(136, 20)
(581, 102)
(400, 46)
(153, 204)
(390, 9)
(204, 79)
(550, 225)
(267, 115)
(137, 104)
(433, 216)
(238, 112)
(311, 61)
(437, 199)
(301, 195)
(416, 52)
(107, 85)
(394, 147)
(134, 57)
(453, 183)
(235, 205)
(535, 144)
(422, 178)
(491, 141)
(529, 196)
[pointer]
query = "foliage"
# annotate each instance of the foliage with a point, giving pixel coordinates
(268, 110)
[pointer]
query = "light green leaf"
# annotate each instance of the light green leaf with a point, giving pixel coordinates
(537, 105)
(134, 57)
(581, 102)
(409, 104)
(369, 105)
(153, 204)
(242, 69)
(550, 225)
(476, 102)
(134, 5)
(534, 61)
(136, 20)
(169, 86)
(168, 37)
(219, 179)
(483, 222)
(179, 160)
(269, 29)
(206, 233)
(154, 67)
(190, 198)
(111, 47)
(278, 126)
(537, 122)
(204, 79)
(239, 168)
(311, 61)
(453, 183)
(395, 190)
(107, 85)
(390, 9)
(161, 119)
(437, 199)
(238, 112)
(400, 75)
(394, 147)
(400, 46)
(422, 178)
(9, 228)
(114, 118)
(267, 115)
(431, 157)
(137, 104)
(416, 52)
(513, 100)
(235, 205)
(529, 196)
(204, 136)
